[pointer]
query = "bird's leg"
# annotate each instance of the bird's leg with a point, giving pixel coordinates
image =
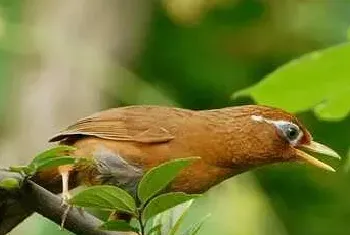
(64, 172)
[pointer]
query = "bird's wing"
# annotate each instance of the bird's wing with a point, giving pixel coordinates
(132, 124)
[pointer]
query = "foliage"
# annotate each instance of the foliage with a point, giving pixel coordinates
(106, 198)
(9, 183)
(118, 225)
(163, 202)
(115, 200)
(194, 229)
(318, 80)
(50, 158)
(159, 177)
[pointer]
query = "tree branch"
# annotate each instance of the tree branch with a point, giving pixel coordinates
(17, 205)
(11, 211)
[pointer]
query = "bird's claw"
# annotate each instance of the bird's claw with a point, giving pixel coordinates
(65, 198)
(64, 216)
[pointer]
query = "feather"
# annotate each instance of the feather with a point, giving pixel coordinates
(133, 123)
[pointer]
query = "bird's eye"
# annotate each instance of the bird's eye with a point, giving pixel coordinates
(292, 133)
(289, 131)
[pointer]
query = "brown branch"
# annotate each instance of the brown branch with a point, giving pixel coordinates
(17, 205)
(11, 212)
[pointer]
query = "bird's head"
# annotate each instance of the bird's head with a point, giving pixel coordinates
(278, 136)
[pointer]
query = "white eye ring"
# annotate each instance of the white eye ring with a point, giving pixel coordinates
(288, 130)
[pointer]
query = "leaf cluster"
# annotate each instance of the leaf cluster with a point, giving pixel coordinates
(149, 202)
(51, 158)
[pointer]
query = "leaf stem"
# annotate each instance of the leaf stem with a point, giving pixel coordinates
(139, 218)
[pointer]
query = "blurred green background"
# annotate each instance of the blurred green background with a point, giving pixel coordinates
(61, 60)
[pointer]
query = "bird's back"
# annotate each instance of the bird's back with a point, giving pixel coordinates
(144, 124)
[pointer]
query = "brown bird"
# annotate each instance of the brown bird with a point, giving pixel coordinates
(126, 142)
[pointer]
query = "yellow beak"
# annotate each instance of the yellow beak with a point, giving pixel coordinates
(317, 148)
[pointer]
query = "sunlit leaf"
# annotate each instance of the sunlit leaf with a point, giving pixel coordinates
(118, 225)
(156, 230)
(54, 162)
(194, 229)
(105, 197)
(56, 151)
(164, 202)
(156, 179)
(176, 226)
(319, 80)
(9, 183)
(27, 170)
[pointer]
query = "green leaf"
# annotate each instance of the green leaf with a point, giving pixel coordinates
(18, 169)
(164, 202)
(318, 81)
(194, 229)
(9, 183)
(176, 227)
(118, 225)
(54, 162)
(28, 170)
(156, 179)
(156, 229)
(50, 158)
(56, 151)
(105, 197)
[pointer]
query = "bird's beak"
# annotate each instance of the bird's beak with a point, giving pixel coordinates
(317, 148)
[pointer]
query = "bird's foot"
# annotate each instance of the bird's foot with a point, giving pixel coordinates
(65, 198)
(64, 215)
